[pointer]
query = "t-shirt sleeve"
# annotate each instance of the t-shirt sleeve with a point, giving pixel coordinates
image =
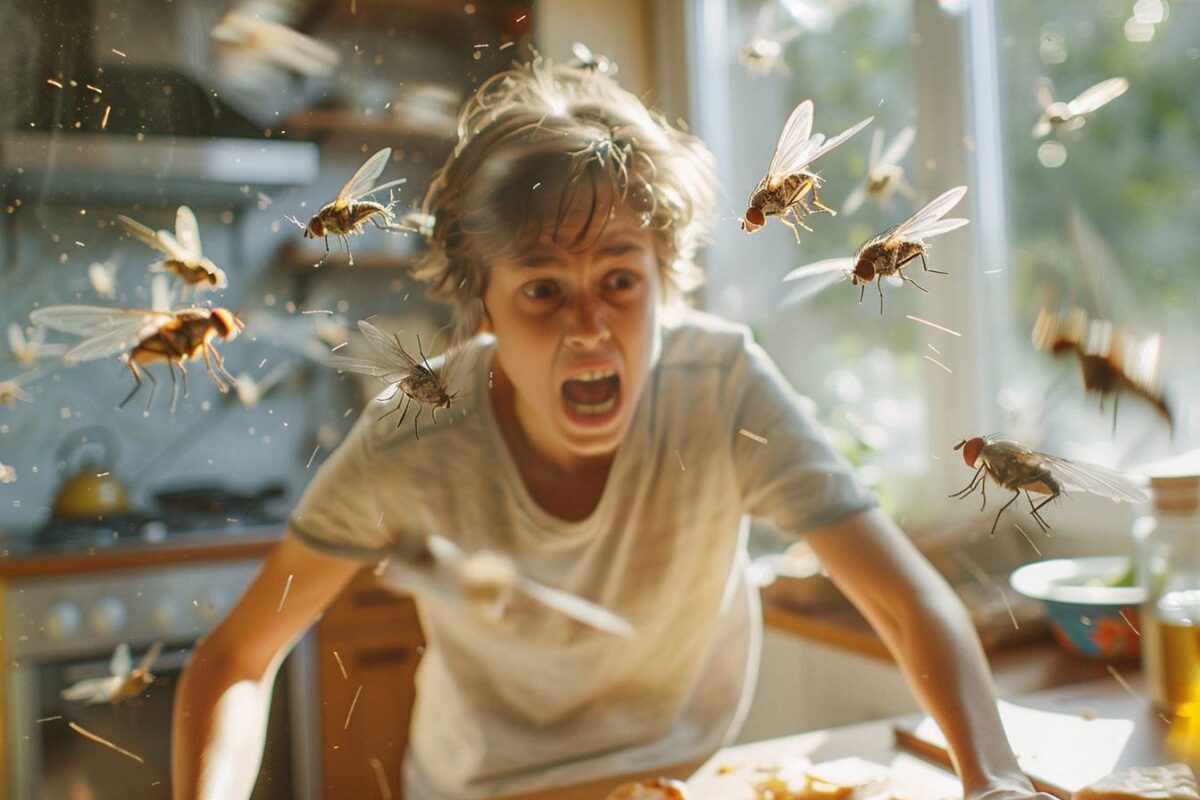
(339, 511)
(788, 471)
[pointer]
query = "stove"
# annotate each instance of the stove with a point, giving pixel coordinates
(58, 628)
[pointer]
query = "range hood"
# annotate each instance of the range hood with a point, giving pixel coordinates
(95, 122)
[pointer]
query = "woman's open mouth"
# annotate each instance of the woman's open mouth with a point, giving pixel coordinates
(593, 396)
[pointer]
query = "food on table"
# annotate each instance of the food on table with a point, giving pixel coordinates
(654, 789)
(1172, 782)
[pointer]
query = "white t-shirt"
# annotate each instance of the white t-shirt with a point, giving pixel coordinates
(537, 700)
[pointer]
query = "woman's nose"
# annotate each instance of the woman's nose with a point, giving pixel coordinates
(588, 326)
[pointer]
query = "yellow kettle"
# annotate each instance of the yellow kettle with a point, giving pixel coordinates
(90, 491)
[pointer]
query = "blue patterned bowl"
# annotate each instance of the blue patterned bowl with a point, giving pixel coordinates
(1086, 616)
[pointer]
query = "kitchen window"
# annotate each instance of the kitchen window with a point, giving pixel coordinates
(1045, 215)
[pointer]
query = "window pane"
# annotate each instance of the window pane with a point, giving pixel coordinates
(1102, 217)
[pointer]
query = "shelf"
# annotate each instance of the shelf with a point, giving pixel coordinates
(300, 256)
(319, 123)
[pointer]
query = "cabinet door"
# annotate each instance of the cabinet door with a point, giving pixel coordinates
(369, 645)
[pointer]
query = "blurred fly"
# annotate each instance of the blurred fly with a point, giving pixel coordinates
(348, 212)
(885, 176)
(142, 336)
(124, 683)
(28, 351)
(593, 62)
(406, 374)
(184, 257)
(882, 256)
(1019, 469)
(762, 55)
(1110, 360)
(790, 189)
(1069, 117)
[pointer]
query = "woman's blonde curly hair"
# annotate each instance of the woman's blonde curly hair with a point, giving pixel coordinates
(557, 150)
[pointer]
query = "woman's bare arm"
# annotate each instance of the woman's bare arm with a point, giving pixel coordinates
(223, 695)
(927, 630)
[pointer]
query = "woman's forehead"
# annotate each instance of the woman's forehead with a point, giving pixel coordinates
(621, 230)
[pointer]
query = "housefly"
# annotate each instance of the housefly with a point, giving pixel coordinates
(1019, 469)
(183, 256)
(884, 255)
(1110, 360)
(412, 376)
(762, 55)
(27, 351)
(348, 212)
(124, 683)
(593, 62)
(142, 336)
(885, 176)
(13, 389)
(1059, 116)
(790, 189)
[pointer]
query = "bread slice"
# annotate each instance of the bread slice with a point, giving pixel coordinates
(1172, 782)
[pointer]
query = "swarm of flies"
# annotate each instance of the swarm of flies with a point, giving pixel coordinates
(790, 188)
(1111, 360)
(142, 336)
(1061, 117)
(885, 176)
(349, 211)
(1018, 469)
(183, 256)
(882, 256)
(124, 683)
(408, 375)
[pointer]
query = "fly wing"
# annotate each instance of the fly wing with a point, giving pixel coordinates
(1041, 127)
(389, 347)
(793, 142)
(91, 690)
(1102, 93)
(160, 293)
(187, 232)
(876, 149)
(1045, 92)
(121, 662)
(16, 338)
(835, 141)
(1095, 480)
(389, 373)
(855, 199)
(140, 232)
(814, 278)
(899, 146)
(109, 330)
(149, 657)
(919, 223)
(1143, 371)
(577, 608)
(361, 182)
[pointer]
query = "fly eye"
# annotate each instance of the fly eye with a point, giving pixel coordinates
(317, 227)
(864, 270)
(755, 217)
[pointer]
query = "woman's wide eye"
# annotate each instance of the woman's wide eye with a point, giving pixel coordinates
(621, 280)
(539, 290)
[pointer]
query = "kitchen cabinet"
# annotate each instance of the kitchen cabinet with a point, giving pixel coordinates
(369, 643)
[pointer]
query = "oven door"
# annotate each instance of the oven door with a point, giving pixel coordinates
(57, 762)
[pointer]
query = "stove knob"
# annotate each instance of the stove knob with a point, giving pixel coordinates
(62, 620)
(165, 615)
(107, 616)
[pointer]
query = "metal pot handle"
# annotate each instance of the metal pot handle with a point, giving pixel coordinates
(91, 435)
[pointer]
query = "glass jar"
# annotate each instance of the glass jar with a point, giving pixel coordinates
(1168, 548)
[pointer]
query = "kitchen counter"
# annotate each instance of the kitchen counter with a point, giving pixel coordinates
(1112, 727)
(19, 560)
(1032, 666)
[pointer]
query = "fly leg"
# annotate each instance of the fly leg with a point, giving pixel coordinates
(879, 286)
(208, 365)
(906, 279)
(221, 366)
(174, 384)
(961, 493)
(416, 419)
(1034, 509)
(1006, 505)
(925, 264)
(153, 386)
(137, 377)
(795, 231)
(862, 293)
(1116, 399)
